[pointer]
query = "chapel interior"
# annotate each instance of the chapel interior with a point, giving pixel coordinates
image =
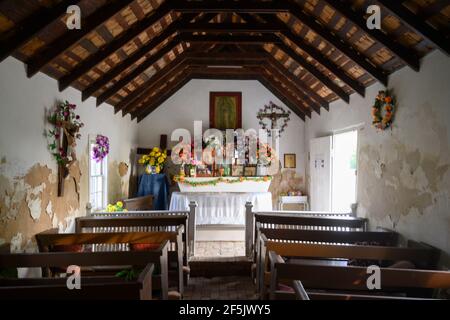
(225, 149)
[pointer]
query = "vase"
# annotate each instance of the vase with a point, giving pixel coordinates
(150, 169)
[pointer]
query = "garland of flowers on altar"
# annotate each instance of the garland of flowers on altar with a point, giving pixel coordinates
(383, 110)
(214, 182)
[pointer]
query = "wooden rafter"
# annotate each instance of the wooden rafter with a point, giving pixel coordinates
(104, 52)
(418, 25)
(228, 6)
(30, 27)
(90, 23)
(406, 55)
(319, 57)
(337, 43)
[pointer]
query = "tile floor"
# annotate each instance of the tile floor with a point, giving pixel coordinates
(219, 249)
(220, 288)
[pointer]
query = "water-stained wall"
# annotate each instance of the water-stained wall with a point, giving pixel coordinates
(28, 174)
(403, 173)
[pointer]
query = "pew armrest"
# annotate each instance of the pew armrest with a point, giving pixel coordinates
(300, 292)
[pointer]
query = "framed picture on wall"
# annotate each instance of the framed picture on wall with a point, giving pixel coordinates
(237, 170)
(225, 110)
(250, 171)
(290, 161)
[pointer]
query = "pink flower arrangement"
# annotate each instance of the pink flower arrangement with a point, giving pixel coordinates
(101, 148)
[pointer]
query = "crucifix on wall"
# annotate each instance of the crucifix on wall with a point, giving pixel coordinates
(277, 116)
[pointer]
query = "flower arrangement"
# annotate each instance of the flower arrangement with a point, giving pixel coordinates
(265, 154)
(117, 207)
(101, 148)
(155, 159)
(66, 127)
(213, 182)
(383, 110)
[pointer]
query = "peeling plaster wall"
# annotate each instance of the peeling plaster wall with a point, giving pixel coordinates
(191, 103)
(28, 173)
(404, 176)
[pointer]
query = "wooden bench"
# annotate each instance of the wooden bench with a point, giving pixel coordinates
(139, 203)
(299, 220)
(309, 236)
(178, 252)
(350, 282)
(47, 241)
(423, 256)
(189, 228)
(92, 287)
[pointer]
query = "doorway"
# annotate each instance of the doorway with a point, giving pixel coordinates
(333, 172)
(344, 171)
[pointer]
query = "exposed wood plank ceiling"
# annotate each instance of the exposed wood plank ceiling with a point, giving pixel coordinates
(134, 54)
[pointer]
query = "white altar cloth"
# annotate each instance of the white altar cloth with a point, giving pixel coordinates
(221, 208)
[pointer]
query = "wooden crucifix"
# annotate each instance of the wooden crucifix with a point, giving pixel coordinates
(274, 113)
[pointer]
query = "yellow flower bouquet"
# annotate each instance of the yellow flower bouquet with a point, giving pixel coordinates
(154, 162)
(118, 207)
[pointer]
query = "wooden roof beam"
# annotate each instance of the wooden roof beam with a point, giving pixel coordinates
(71, 37)
(30, 27)
(319, 57)
(406, 55)
(338, 43)
(233, 28)
(228, 6)
(174, 86)
(108, 49)
(246, 39)
(415, 23)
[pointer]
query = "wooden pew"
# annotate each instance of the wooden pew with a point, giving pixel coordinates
(139, 203)
(291, 224)
(350, 283)
(190, 228)
(92, 287)
(303, 220)
(178, 252)
(421, 255)
(47, 241)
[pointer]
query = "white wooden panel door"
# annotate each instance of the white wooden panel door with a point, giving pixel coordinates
(320, 171)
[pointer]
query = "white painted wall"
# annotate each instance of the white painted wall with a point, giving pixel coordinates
(404, 176)
(192, 103)
(23, 103)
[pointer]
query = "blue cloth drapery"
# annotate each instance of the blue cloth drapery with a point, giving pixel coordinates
(156, 185)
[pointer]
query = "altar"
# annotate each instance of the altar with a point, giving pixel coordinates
(221, 208)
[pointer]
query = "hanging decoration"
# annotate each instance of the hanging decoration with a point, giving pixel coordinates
(213, 182)
(101, 148)
(273, 113)
(63, 137)
(383, 110)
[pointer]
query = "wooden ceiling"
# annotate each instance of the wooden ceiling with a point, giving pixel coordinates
(134, 54)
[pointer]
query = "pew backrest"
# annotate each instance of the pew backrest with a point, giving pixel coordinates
(354, 278)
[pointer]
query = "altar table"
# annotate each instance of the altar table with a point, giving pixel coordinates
(221, 208)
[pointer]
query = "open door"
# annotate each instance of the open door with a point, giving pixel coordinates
(320, 171)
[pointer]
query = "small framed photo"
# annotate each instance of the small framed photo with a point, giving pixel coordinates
(237, 170)
(250, 171)
(290, 161)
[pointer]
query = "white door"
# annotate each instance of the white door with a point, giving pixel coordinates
(320, 170)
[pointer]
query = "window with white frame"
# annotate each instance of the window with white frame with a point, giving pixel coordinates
(97, 181)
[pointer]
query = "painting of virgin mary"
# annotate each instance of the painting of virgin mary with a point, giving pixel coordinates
(225, 111)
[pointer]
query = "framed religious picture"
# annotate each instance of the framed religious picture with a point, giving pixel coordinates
(290, 161)
(250, 171)
(237, 170)
(225, 110)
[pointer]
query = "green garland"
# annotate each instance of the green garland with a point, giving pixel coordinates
(220, 180)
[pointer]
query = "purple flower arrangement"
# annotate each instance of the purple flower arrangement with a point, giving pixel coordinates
(101, 148)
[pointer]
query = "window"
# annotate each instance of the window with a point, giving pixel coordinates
(97, 181)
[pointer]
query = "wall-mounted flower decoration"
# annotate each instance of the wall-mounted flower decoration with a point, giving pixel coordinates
(101, 148)
(383, 110)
